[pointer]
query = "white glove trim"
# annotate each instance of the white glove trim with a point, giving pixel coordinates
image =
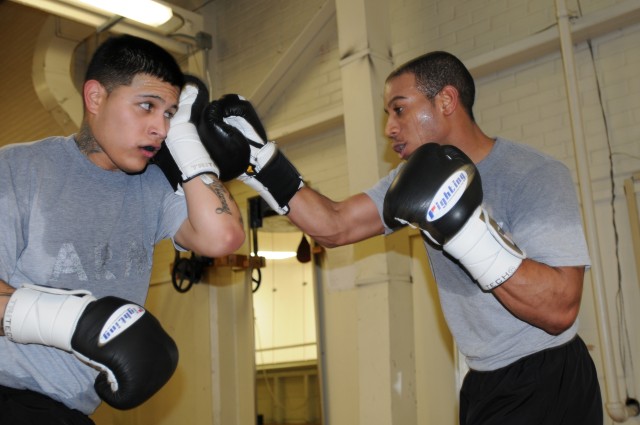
(262, 154)
(264, 193)
(413, 226)
(243, 125)
(485, 251)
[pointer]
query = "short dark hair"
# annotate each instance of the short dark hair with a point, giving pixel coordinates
(434, 71)
(120, 58)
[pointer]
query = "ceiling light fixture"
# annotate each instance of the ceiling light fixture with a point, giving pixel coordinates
(147, 12)
(276, 255)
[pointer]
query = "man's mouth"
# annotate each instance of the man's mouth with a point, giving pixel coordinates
(399, 148)
(149, 151)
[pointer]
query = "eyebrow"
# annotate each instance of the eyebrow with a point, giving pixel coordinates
(394, 99)
(159, 98)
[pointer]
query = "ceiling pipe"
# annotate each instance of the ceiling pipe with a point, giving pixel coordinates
(54, 53)
(618, 410)
(52, 81)
(184, 21)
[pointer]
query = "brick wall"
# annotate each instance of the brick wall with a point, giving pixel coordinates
(526, 102)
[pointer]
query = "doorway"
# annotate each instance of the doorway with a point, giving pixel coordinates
(286, 355)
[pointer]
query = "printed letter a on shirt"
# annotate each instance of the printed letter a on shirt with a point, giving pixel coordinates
(68, 262)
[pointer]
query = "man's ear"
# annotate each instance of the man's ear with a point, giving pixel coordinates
(448, 99)
(94, 94)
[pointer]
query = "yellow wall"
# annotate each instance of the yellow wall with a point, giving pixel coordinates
(187, 397)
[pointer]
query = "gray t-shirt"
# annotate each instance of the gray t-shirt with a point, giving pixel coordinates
(67, 223)
(532, 197)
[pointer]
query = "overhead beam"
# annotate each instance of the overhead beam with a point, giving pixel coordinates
(587, 27)
(297, 57)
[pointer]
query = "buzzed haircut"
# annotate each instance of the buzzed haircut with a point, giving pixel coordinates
(119, 59)
(435, 70)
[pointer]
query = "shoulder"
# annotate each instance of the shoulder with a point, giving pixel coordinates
(517, 161)
(505, 148)
(154, 174)
(34, 148)
(378, 191)
(154, 179)
(24, 160)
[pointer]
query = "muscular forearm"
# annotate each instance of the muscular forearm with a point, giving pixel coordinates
(333, 223)
(546, 297)
(317, 216)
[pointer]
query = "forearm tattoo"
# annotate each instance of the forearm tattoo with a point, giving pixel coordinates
(219, 190)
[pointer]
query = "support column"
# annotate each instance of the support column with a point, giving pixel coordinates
(232, 347)
(385, 369)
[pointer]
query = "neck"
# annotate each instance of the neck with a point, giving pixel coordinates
(86, 142)
(473, 142)
(483, 146)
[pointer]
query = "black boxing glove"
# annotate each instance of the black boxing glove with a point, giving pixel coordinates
(183, 155)
(440, 191)
(268, 171)
(125, 342)
(226, 145)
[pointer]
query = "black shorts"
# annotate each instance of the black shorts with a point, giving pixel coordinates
(24, 407)
(558, 386)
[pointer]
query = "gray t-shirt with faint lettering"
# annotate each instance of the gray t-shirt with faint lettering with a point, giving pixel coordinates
(67, 223)
(532, 197)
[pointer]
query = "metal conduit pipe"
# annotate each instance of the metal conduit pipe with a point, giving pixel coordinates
(618, 410)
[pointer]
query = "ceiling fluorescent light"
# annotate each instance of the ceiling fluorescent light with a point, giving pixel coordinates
(147, 12)
(276, 255)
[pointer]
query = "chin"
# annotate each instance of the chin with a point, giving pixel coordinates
(405, 154)
(134, 168)
(138, 171)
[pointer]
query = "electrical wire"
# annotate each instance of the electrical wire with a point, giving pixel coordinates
(624, 345)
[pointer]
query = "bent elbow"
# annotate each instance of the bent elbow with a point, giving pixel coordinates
(238, 241)
(562, 322)
(224, 243)
(556, 329)
(230, 241)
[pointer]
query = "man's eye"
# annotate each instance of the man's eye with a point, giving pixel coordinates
(146, 106)
(169, 114)
(398, 110)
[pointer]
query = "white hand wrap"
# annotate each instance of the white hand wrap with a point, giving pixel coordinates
(47, 316)
(183, 141)
(485, 251)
